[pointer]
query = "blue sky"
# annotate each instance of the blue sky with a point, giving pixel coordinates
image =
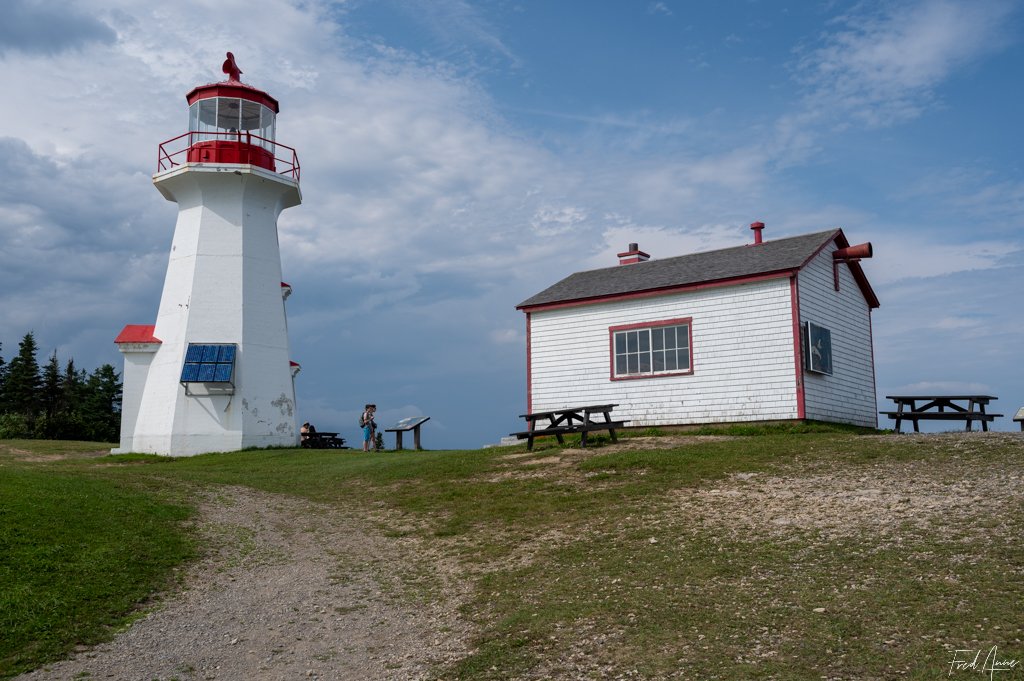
(459, 157)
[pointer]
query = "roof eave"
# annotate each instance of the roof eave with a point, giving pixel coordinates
(661, 291)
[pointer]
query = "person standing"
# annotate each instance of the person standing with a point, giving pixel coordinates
(369, 427)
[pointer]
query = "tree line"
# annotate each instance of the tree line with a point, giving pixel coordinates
(50, 402)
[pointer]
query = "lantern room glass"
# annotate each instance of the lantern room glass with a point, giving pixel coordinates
(215, 118)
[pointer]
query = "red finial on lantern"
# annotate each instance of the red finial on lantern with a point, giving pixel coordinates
(231, 68)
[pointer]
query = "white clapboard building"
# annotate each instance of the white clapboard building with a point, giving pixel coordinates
(773, 330)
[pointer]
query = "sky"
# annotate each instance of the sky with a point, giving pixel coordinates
(460, 156)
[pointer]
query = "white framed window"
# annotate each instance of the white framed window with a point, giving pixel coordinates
(651, 349)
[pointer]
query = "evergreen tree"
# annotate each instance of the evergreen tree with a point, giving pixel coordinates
(22, 386)
(53, 384)
(71, 389)
(68, 423)
(3, 378)
(45, 402)
(101, 405)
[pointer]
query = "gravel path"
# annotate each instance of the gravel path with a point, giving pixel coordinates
(288, 590)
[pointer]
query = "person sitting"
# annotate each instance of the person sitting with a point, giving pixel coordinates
(305, 431)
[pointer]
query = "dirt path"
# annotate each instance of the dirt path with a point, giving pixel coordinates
(288, 590)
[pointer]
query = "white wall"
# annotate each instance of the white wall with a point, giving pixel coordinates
(742, 355)
(137, 359)
(223, 285)
(848, 395)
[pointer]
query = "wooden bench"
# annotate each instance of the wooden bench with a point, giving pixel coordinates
(325, 440)
(941, 408)
(569, 421)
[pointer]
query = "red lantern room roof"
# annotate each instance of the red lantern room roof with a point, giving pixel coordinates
(232, 87)
(229, 88)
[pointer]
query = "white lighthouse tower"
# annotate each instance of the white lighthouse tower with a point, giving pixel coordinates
(214, 372)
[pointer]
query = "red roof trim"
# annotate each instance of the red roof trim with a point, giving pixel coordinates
(837, 237)
(232, 89)
(657, 292)
(137, 333)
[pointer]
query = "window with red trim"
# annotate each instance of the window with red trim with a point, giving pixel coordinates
(653, 349)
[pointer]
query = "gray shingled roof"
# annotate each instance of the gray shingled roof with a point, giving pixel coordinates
(728, 263)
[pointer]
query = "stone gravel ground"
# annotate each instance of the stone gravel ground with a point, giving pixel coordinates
(287, 590)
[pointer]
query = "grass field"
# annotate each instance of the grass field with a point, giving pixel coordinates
(763, 553)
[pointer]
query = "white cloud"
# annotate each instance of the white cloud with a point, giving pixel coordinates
(883, 67)
(459, 26)
(659, 8)
(956, 322)
(998, 201)
(42, 28)
(508, 336)
(550, 221)
(711, 182)
(899, 256)
(945, 388)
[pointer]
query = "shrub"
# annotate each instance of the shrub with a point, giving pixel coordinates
(14, 426)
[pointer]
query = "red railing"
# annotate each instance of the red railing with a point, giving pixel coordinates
(174, 151)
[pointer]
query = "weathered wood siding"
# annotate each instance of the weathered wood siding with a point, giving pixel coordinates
(742, 355)
(848, 395)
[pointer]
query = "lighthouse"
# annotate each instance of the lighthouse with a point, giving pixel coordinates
(214, 372)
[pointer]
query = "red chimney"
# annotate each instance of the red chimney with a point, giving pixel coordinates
(757, 227)
(633, 255)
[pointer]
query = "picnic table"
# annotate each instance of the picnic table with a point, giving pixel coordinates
(914, 408)
(412, 423)
(1019, 418)
(322, 440)
(559, 422)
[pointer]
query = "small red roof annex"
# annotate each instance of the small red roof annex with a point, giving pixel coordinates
(137, 333)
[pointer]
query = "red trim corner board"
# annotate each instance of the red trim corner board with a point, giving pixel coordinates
(529, 369)
(794, 289)
(874, 385)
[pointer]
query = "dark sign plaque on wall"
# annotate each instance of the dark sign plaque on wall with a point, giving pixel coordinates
(818, 348)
